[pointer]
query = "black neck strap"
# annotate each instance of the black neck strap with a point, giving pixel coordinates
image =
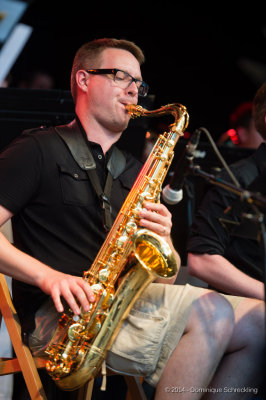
(103, 195)
(80, 151)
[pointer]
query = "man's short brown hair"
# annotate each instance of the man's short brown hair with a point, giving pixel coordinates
(89, 56)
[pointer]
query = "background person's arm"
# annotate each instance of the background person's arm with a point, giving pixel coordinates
(218, 272)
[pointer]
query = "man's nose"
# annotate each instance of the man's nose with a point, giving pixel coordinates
(132, 89)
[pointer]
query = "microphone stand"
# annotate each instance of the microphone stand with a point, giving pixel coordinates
(254, 199)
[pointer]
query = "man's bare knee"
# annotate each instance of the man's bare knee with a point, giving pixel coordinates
(249, 328)
(212, 315)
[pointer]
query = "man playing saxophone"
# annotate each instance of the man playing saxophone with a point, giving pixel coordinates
(175, 336)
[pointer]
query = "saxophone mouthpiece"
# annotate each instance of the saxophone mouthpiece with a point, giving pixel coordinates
(134, 110)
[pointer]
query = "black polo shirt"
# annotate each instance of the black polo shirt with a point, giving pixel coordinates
(58, 215)
(228, 234)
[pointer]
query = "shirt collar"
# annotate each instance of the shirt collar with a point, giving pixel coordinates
(94, 146)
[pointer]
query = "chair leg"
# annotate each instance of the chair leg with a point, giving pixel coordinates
(135, 388)
(24, 356)
(85, 392)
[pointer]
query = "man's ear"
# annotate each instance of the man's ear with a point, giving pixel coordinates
(81, 79)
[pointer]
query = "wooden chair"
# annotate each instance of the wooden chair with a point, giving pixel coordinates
(24, 362)
(134, 386)
(28, 365)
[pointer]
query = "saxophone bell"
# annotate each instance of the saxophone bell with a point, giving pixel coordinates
(154, 253)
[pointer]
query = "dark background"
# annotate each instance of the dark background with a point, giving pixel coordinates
(208, 61)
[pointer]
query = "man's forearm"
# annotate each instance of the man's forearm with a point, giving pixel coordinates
(224, 276)
(19, 265)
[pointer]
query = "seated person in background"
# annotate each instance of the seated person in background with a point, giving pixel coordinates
(231, 260)
(242, 132)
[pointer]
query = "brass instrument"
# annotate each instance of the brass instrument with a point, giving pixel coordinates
(80, 343)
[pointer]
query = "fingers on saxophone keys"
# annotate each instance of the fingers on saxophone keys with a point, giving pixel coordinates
(89, 294)
(78, 294)
(153, 220)
(84, 295)
(155, 227)
(74, 306)
(57, 302)
(69, 298)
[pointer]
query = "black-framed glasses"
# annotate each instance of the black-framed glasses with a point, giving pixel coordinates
(123, 79)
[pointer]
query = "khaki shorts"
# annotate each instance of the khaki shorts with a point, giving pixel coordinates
(148, 336)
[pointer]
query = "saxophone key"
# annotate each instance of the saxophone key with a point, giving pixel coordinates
(74, 332)
(135, 212)
(94, 329)
(170, 143)
(163, 157)
(97, 289)
(103, 275)
(120, 242)
(108, 301)
(131, 227)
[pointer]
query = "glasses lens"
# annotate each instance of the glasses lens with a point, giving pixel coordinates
(143, 89)
(122, 78)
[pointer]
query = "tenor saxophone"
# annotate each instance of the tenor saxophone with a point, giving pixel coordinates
(130, 258)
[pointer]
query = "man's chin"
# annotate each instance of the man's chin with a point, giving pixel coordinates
(118, 128)
(122, 125)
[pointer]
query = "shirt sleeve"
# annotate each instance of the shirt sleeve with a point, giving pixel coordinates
(210, 230)
(20, 171)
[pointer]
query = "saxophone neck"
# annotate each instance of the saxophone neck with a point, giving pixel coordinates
(178, 111)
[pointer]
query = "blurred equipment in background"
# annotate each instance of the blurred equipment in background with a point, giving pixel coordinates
(35, 79)
(13, 36)
(194, 187)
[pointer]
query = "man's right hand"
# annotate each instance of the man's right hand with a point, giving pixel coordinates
(75, 290)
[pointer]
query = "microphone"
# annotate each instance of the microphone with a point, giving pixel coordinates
(173, 192)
